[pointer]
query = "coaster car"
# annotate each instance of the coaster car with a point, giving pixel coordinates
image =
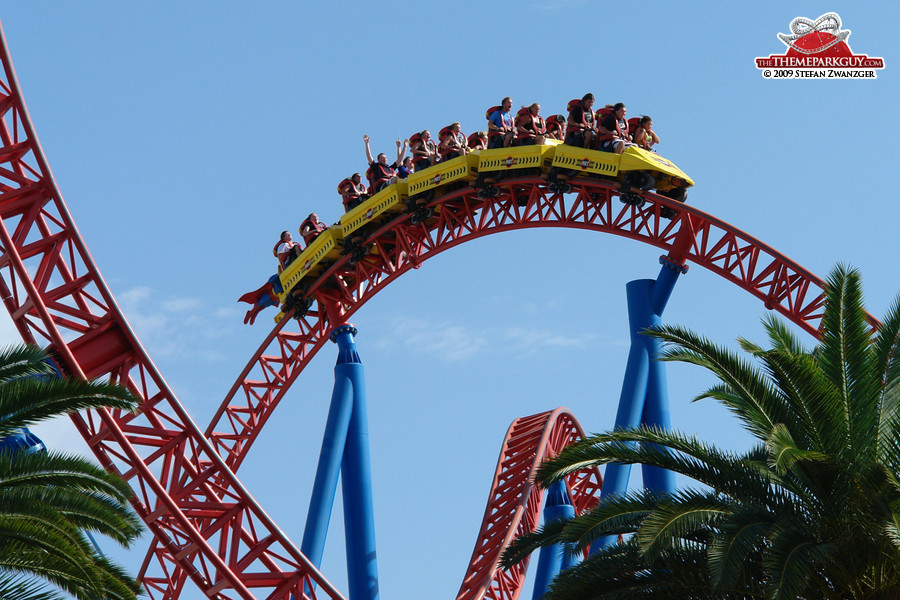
(634, 168)
(312, 262)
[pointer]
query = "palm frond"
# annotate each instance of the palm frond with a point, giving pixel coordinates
(17, 587)
(816, 419)
(791, 562)
(27, 401)
(886, 349)
(680, 516)
(846, 360)
(48, 500)
(685, 455)
(737, 542)
(784, 451)
(750, 396)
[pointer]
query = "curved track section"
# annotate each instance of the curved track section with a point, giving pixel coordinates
(399, 246)
(206, 525)
(209, 525)
(514, 504)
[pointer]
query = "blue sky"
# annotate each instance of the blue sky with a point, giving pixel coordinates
(185, 136)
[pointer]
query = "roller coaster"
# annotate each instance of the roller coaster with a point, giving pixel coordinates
(633, 171)
(208, 531)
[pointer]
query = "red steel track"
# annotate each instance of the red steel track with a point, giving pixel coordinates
(207, 527)
(514, 504)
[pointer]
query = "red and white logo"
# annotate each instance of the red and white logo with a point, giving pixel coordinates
(369, 214)
(509, 161)
(437, 179)
(307, 265)
(818, 50)
(585, 163)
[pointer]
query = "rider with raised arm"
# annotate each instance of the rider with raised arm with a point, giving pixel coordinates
(383, 174)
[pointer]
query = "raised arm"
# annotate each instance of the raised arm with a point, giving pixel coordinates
(401, 151)
(369, 159)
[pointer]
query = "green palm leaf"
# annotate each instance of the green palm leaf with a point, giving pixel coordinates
(49, 500)
(811, 512)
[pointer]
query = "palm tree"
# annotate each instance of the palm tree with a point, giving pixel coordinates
(811, 511)
(49, 500)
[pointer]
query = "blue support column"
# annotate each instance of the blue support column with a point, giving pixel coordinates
(644, 399)
(333, 443)
(634, 389)
(356, 486)
(553, 559)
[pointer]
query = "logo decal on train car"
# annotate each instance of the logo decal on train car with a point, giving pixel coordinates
(307, 265)
(369, 214)
(662, 161)
(509, 161)
(437, 179)
(818, 50)
(585, 163)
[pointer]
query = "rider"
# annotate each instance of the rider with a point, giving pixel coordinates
(500, 125)
(643, 134)
(556, 125)
(531, 128)
(383, 174)
(311, 228)
(286, 250)
(453, 142)
(614, 131)
(478, 141)
(580, 124)
(424, 151)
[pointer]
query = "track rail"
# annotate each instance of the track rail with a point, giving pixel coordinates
(691, 236)
(514, 503)
(212, 530)
(207, 527)
(400, 246)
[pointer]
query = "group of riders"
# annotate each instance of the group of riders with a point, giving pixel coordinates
(605, 129)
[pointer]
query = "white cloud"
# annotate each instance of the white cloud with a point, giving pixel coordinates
(172, 326)
(454, 342)
(180, 304)
(530, 341)
(448, 341)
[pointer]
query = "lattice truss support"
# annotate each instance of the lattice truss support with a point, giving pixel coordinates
(514, 503)
(398, 246)
(207, 528)
(208, 524)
